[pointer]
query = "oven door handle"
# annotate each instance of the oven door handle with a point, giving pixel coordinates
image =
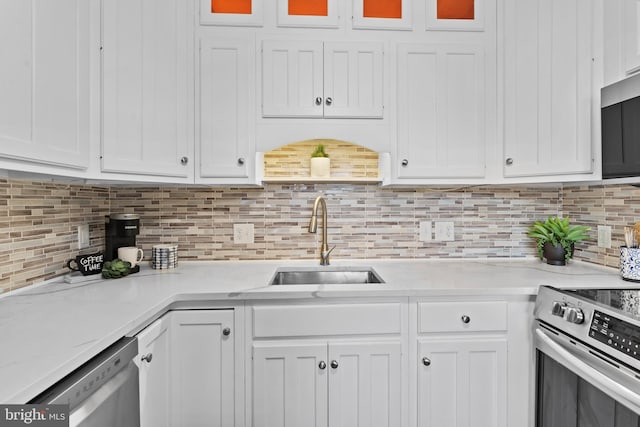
(619, 392)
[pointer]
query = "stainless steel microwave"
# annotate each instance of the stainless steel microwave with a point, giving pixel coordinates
(621, 128)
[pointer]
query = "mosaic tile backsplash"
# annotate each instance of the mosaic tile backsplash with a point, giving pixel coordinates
(347, 159)
(39, 221)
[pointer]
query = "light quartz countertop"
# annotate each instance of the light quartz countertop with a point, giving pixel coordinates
(50, 329)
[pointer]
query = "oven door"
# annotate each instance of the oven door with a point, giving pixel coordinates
(577, 387)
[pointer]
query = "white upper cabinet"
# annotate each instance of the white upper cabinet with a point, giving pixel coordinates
(631, 35)
(147, 87)
(442, 103)
(316, 79)
(226, 142)
(44, 82)
(548, 88)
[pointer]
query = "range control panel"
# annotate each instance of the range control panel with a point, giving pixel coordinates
(616, 333)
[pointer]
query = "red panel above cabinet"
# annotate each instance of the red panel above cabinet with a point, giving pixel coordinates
(382, 8)
(456, 9)
(309, 7)
(231, 6)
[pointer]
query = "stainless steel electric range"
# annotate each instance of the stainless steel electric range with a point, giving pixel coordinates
(588, 357)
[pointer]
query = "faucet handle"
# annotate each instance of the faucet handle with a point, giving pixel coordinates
(325, 256)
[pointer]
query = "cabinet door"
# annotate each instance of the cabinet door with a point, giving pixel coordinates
(290, 384)
(631, 35)
(147, 87)
(548, 91)
(203, 368)
(44, 82)
(462, 382)
(364, 384)
(154, 369)
(441, 111)
(353, 80)
(292, 73)
(225, 137)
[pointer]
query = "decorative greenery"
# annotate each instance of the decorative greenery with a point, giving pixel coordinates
(557, 230)
(319, 152)
(116, 269)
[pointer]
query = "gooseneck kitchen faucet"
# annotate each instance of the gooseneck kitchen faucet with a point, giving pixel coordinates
(313, 227)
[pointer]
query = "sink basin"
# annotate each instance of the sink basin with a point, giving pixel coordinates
(325, 276)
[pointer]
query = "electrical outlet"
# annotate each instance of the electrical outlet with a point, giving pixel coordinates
(445, 231)
(425, 231)
(243, 234)
(83, 236)
(604, 236)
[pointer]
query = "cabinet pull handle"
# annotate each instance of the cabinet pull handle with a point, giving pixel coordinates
(318, 101)
(184, 160)
(322, 365)
(509, 161)
(329, 101)
(147, 357)
(334, 364)
(241, 161)
(426, 361)
(465, 319)
(226, 332)
(405, 163)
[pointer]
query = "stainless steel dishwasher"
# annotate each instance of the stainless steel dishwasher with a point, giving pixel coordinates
(103, 392)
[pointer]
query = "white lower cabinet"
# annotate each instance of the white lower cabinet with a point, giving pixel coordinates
(289, 384)
(154, 347)
(203, 368)
(365, 383)
(332, 370)
(191, 370)
(461, 364)
(327, 384)
(462, 382)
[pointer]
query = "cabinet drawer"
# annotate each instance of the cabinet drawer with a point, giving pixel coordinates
(451, 316)
(326, 319)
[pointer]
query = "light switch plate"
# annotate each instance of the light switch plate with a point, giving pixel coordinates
(604, 236)
(83, 236)
(445, 231)
(425, 231)
(243, 234)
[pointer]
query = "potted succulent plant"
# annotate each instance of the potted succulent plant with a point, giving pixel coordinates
(556, 239)
(320, 163)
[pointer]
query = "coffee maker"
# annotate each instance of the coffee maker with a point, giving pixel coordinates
(120, 230)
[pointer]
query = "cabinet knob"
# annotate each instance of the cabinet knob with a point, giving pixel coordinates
(241, 161)
(509, 161)
(405, 163)
(226, 332)
(322, 365)
(426, 361)
(329, 101)
(147, 357)
(184, 160)
(465, 319)
(318, 101)
(334, 364)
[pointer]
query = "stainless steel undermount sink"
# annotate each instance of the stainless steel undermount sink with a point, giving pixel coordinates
(325, 276)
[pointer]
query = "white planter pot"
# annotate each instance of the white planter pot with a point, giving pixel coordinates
(320, 167)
